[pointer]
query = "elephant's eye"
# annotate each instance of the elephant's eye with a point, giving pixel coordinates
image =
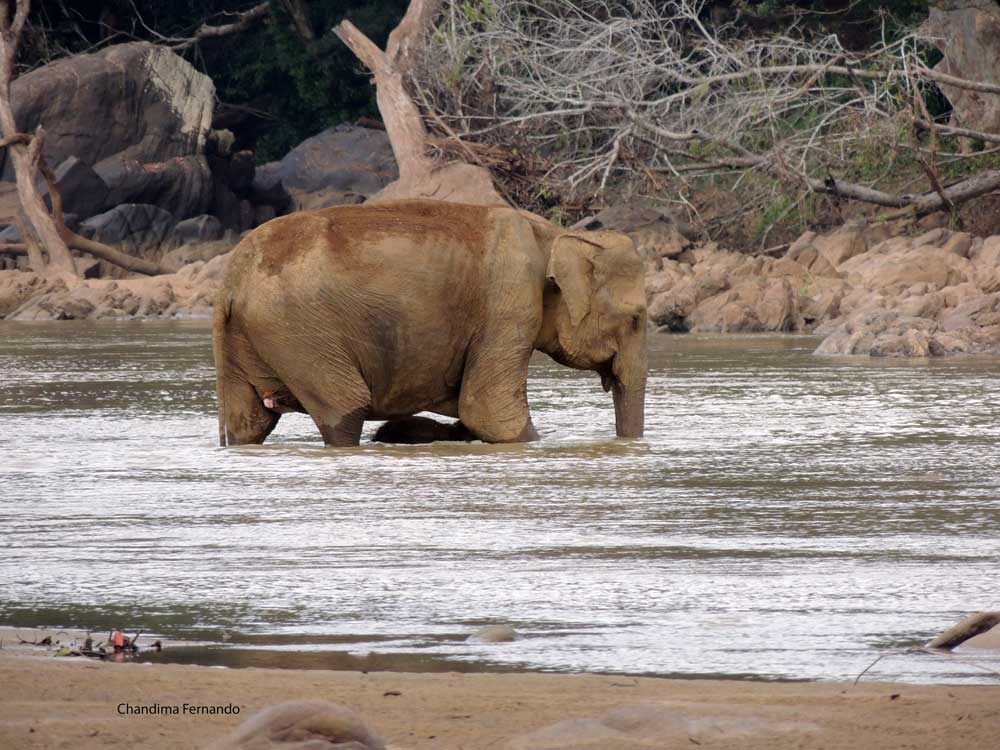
(636, 321)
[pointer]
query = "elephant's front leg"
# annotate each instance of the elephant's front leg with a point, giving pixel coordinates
(494, 398)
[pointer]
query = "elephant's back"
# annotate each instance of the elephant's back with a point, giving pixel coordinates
(369, 241)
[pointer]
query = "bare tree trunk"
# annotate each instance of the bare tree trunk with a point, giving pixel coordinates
(32, 247)
(25, 156)
(419, 176)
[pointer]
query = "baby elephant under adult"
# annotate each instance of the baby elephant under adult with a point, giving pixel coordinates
(378, 312)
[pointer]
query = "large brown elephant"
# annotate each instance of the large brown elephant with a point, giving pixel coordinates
(377, 312)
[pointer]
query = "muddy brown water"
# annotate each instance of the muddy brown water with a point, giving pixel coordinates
(786, 516)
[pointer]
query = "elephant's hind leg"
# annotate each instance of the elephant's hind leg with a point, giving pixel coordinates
(246, 420)
(338, 406)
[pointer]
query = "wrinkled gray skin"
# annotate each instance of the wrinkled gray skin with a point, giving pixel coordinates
(379, 312)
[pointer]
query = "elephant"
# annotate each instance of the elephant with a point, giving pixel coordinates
(376, 312)
(416, 430)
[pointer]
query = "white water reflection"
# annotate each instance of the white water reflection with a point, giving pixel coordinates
(785, 516)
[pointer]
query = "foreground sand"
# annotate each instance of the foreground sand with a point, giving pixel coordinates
(49, 702)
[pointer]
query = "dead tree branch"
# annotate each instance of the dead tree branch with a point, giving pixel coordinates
(614, 93)
(23, 151)
(244, 20)
(419, 175)
(403, 121)
(95, 248)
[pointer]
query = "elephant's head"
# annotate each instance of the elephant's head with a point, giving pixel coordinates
(595, 316)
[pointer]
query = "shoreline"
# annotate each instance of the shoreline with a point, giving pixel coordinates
(77, 702)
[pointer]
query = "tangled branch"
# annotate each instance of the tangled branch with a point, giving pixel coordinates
(642, 93)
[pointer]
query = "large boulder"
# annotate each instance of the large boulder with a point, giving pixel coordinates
(343, 164)
(968, 33)
(181, 185)
(138, 100)
(81, 189)
(138, 229)
(202, 228)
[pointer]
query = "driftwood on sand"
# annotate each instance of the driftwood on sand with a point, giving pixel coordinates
(971, 626)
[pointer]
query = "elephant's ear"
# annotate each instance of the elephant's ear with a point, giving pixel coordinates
(571, 269)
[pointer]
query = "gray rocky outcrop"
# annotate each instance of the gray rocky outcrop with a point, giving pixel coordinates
(140, 101)
(81, 189)
(181, 185)
(968, 34)
(138, 229)
(343, 164)
(204, 228)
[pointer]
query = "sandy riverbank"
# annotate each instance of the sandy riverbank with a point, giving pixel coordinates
(48, 702)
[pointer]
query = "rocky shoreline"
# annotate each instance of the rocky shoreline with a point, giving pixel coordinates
(177, 191)
(869, 289)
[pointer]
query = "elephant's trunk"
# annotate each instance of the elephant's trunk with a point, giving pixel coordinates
(628, 389)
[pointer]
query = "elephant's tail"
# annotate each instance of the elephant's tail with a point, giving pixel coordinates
(223, 311)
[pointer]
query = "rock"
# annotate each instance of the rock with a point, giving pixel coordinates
(202, 228)
(935, 237)
(960, 243)
(10, 234)
(137, 229)
(493, 634)
(189, 292)
(673, 307)
(895, 271)
(302, 725)
(88, 267)
(921, 305)
(237, 172)
(340, 162)
(877, 332)
(17, 287)
(138, 100)
(263, 214)
(456, 182)
(82, 190)
(181, 185)
(842, 244)
(136, 225)
(754, 305)
(195, 252)
(268, 190)
(968, 33)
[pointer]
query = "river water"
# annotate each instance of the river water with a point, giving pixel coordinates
(786, 516)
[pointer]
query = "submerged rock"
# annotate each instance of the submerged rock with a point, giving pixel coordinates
(493, 634)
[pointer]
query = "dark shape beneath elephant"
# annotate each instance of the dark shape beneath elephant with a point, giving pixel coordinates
(417, 430)
(378, 312)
